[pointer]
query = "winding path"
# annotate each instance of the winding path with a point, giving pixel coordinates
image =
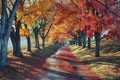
(63, 65)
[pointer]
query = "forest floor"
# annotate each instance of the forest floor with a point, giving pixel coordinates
(107, 66)
(49, 64)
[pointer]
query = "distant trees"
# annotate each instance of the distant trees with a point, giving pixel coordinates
(27, 32)
(36, 30)
(43, 31)
(42, 28)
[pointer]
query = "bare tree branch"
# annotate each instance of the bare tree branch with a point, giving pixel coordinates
(48, 30)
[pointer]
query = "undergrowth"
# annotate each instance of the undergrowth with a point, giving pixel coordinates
(107, 66)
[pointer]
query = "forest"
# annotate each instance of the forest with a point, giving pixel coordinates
(73, 39)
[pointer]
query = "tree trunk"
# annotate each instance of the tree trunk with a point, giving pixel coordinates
(15, 38)
(70, 42)
(80, 41)
(97, 41)
(80, 38)
(3, 37)
(5, 30)
(28, 44)
(84, 39)
(3, 53)
(18, 52)
(16, 46)
(73, 41)
(89, 43)
(76, 40)
(43, 43)
(36, 41)
(28, 40)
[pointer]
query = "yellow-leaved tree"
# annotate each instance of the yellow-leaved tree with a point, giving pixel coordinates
(65, 20)
(29, 11)
(42, 22)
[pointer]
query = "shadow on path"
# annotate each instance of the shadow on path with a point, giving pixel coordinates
(57, 75)
(62, 66)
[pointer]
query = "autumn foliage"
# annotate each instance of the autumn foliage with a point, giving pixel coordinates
(24, 32)
(90, 15)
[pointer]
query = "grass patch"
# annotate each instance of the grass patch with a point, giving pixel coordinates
(111, 47)
(107, 66)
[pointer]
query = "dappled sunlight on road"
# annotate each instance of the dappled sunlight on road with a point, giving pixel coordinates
(27, 68)
(60, 66)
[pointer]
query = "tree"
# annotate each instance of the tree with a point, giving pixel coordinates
(93, 16)
(89, 42)
(27, 35)
(39, 10)
(97, 17)
(36, 30)
(64, 21)
(35, 10)
(15, 38)
(15, 33)
(79, 37)
(43, 30)
(5, 30)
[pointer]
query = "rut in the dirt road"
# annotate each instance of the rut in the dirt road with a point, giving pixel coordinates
(63, 65)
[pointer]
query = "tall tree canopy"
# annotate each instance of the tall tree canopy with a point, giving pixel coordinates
(91, 16)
